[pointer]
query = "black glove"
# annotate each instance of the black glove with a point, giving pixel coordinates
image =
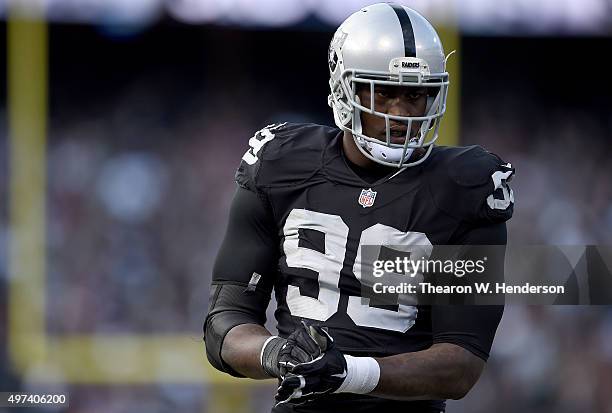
(308, 380)
(280, 355)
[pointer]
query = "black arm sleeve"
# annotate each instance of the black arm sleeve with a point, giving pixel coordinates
(243, 274)
(472, 327)
(251, 242)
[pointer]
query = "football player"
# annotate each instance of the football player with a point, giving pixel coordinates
(309, 197)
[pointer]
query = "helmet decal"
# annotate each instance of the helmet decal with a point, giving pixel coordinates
(407, 32)
(335, 46)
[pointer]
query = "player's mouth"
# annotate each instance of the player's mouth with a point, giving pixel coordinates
(398, 136)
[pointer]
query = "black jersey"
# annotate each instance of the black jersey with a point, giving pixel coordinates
(318, 214)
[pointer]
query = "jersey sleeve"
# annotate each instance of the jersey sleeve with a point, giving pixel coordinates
(473, 327)
(250, 246)
(474, 186)
(273, 158)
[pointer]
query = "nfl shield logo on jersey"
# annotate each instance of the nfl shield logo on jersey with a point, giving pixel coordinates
(367, 197)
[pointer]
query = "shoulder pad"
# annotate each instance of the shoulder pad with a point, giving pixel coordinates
(282, 154)
(471, 184)
(246, 175)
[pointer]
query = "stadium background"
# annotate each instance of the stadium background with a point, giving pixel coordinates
(145, 125)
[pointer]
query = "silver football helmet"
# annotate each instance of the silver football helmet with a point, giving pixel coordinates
(387, 44)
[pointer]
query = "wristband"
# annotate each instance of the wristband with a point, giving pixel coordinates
(362, 375)
(268, 357)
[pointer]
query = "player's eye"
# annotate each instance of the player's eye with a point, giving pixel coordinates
(384, 93)
(415, 95)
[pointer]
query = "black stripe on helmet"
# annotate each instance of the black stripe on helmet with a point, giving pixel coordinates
(407, 32)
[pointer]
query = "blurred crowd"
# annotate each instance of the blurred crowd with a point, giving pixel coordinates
(547, 359)
(137, 207)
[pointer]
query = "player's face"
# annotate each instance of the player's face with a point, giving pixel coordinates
(392, 100)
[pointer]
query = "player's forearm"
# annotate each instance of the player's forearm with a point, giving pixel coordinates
(242, 349)
(444, 371)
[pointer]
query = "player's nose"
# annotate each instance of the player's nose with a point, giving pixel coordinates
(400, 107)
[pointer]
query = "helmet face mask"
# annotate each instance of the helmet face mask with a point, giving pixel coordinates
(368, 51)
